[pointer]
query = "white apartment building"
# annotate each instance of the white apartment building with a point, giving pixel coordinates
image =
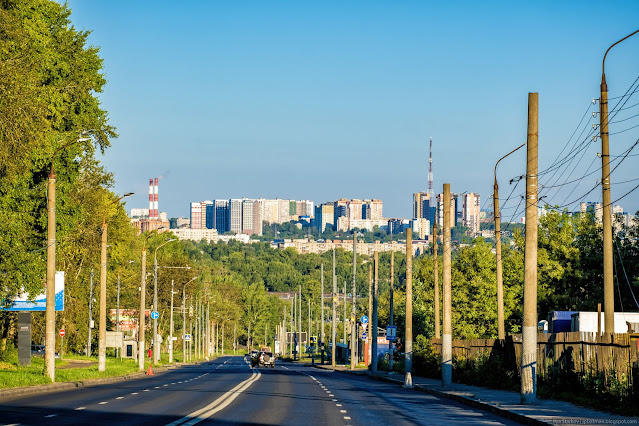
(235, 213)
(471, 212)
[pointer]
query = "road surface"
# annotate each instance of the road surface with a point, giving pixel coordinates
(228, 391)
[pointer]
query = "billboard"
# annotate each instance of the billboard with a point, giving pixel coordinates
(39, 302)
(129, 318)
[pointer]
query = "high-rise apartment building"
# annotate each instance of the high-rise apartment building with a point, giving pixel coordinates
(209, 210)
(196, 215)
(471, 207)
(324, 216)
(248, 210)
(235, 215)
(453, 210)
(423, 207)
(222, 216)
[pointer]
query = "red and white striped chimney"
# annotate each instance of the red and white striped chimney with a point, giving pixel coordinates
(150, 198)
(155, 200)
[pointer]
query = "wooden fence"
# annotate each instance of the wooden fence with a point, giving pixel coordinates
(580, 352)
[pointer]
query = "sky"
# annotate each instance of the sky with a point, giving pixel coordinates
(317, 101)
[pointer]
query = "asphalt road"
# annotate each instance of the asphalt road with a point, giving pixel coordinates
(228, 391)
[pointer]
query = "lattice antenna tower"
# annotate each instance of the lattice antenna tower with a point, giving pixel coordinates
(431, 191)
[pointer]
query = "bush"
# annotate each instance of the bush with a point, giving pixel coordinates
(9, 355)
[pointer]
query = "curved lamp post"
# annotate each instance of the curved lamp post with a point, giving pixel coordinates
(142, 312)
(609, 295)
(103, 279)
(156, 345)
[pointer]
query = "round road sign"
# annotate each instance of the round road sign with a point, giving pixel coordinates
(364, 319)
(155, 315)
(62, 332)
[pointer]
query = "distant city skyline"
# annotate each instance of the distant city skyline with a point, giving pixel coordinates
(310, 100)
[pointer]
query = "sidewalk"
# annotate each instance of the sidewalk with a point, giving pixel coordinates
(504, 403)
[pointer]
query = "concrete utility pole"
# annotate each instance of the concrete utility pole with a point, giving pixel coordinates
(102, 314)
(436, 278)
(374, 319)
(392, 294)
(103, 288)
(294, 325)
(408, 339)
(89, 338)
(171, 328)
(353, 310)
(142, 312)
(609, 295)
(321, 344)
(49, 349)
(370, 312)
(345, 318)
(334, 319)
(299, 314)
(447, 341)
(529, 331)
(117, 317)
(184, 324)
(501, 333)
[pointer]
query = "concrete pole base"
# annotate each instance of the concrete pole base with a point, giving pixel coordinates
(408, 381)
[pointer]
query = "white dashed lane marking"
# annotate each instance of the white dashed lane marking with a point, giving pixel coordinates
(80, 408)
(49, 416)
(120, 397)
(103, 402)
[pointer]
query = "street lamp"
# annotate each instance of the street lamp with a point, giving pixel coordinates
(156, 346)
(609, 301)
(143, 302)
(117, 311)
(354, 307)
(501, 333)
(49, 352)
(183, 320)
(103, 279)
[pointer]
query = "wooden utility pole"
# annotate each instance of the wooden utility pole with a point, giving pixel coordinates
(374, 318)
(529, 330)
(408, 338)
(436, 279)
(447, 341)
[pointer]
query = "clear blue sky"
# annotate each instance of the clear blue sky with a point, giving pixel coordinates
(323, 100)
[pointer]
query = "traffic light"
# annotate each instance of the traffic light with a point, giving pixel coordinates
(313, 341)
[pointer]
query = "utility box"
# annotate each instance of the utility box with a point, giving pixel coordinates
(130, 349)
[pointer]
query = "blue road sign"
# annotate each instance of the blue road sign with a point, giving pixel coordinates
(391, 333)
(187, 337)
(155, 315)
(364, 335)
(364, 319)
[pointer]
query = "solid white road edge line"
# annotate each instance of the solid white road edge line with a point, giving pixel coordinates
(219, 404)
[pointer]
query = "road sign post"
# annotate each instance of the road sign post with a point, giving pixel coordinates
(391, 333)
(62, 332)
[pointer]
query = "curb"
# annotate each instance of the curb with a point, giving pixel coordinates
(15, 393)
(511, 415)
